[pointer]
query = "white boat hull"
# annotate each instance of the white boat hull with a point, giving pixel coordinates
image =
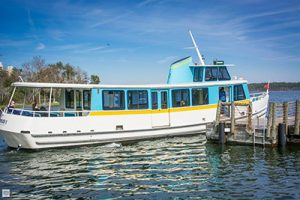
(49, 132)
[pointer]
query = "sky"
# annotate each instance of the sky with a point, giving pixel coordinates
(132, 41)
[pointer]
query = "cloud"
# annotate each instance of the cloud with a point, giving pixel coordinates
(57, 34)
(70, 47)
(167, 59)
(111, 19)
(268, 13)
(145, 3)
(14, 43)
(40, 46)
(30, 21)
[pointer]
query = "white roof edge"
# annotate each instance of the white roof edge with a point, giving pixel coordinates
(90, 86)
(225, 65)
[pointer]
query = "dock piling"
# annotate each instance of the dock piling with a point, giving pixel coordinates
(273, 126)
(282, 134)
(297, 118)
(279, 129)
(249, 128)
(269, 122)
(232, 117)
(222, 138)
(286, 115)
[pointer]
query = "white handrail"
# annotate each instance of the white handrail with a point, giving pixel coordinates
(257, 94)
(37, 113)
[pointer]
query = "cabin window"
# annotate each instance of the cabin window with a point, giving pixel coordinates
(113, 100)
(69, 99)
(138, 99)
(164, 100)
(211, 74)
(223, 74)
(239, 93)
(180, 98)
(198, 74)
(154, 100)
(87, 99)
(200, 96)
(78, 99)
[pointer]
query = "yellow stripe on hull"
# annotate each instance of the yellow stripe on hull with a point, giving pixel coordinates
(139, 112)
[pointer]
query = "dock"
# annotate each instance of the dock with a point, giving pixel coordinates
(236, 124)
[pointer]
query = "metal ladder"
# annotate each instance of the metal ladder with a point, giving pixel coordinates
(263, 136)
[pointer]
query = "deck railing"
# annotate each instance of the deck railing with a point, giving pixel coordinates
(257, 96)
(33, 113)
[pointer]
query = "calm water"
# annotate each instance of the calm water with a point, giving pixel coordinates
(168, 168)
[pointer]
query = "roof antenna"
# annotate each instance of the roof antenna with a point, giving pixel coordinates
(197, 49)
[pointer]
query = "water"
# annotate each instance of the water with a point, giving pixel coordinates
(284, 96)
(167, 168)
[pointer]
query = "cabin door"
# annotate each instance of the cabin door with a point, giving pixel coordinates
(160, 108)
(225, 94)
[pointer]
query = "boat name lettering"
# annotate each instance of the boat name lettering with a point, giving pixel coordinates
(3, 121)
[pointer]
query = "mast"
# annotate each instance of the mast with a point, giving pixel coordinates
(197, 49)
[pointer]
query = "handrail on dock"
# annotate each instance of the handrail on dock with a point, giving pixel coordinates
(229, 111)
(287, 113)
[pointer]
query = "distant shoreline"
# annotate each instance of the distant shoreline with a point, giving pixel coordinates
(275, 86)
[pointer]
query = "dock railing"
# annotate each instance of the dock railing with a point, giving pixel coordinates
(231, 112)
(281, 119)
(287, 113)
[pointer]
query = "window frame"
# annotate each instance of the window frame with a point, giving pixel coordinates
(69, 103)
(122, 100)
(211, 69)
(144, 105)
(89, 100)
(235, 92)
(164, 104)
(175, 103)
(207, 96)
(224, 69)
(155, 93)
(198, 74)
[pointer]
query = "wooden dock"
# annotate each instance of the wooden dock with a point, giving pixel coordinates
(279, 127)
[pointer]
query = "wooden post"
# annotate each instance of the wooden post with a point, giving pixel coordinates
(286, 115)
(249, 119)
(218, 116)
(273, 127)
(269, 122)
(232, 115)
(281, 135)
(218, 112)
(222, 137)
(297, 118)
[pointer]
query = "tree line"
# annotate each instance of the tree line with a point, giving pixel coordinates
(275, 86)
(37, 70)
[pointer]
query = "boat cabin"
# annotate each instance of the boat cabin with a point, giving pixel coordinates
(189, 85)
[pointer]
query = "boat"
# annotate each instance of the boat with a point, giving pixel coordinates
(98, 113)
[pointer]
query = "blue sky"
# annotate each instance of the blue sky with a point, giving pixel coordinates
(135, 41)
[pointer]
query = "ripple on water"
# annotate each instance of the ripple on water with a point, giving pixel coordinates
(180, 167)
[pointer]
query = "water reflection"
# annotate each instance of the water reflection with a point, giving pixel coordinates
(181, 167)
